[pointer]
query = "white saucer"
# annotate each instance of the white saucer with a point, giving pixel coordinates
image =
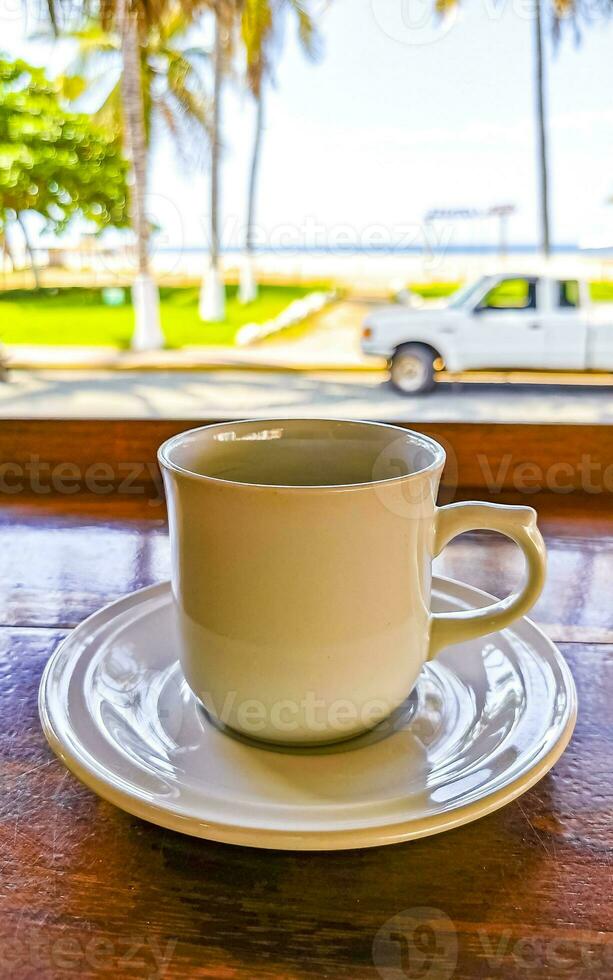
(485, 722)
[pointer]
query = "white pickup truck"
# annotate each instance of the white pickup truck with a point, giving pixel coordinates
(500, 323)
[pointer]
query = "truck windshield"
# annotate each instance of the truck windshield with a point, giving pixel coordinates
(465, 293)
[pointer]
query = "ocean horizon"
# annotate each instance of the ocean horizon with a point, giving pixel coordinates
(391, 249)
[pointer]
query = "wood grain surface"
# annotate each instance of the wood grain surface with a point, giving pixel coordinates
(88, 891)
(72, 455)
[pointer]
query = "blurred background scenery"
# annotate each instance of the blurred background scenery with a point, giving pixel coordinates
(249, 207)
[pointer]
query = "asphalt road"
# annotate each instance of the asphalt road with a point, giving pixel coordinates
(231, 393)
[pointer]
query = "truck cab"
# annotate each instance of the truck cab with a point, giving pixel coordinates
(500, 323)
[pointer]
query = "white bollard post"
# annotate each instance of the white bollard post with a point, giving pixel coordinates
(247, 287)
(212, 304)
(147, 333)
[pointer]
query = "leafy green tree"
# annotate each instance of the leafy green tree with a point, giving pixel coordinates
(54, 162)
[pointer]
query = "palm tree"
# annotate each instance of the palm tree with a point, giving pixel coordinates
(541, 125)
(261, 29)
(132, 19)
(145, 294)
(560, 12)
(172, 95)
(212, 291)
(173, 89)
(130, 22)
(572, 12)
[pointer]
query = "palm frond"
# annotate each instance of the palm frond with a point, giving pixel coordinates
(92, 63)
(308, 33)
(71, 86)
(256, 29)
(109, 115)
(192, 105)
(261, 28)
(570, 14)
(171, 80)
(186, 123)
(93, 37)
(52, 11)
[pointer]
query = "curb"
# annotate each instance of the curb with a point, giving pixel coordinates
(292, 316)
(306, 367)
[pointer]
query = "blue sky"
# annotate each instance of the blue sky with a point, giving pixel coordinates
(402, 115)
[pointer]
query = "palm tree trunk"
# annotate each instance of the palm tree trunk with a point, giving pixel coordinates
(145, 295)
(212, 293)
(542, 130)
(255, 168)
(29, 250)
(134, 131)
(215, 144)
(248, 285)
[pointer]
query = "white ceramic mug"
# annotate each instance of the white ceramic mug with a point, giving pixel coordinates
(301, 570)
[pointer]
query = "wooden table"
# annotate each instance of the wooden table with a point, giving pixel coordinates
(87, 890)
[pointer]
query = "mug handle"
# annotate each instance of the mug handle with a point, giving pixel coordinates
(517, 523)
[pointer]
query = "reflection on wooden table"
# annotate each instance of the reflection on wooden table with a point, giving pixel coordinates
(88, 889)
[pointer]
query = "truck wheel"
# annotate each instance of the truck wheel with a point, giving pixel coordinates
(412, 369)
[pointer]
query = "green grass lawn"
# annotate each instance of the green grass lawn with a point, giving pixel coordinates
(600, 291)
(434, 290)
(79, 316)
